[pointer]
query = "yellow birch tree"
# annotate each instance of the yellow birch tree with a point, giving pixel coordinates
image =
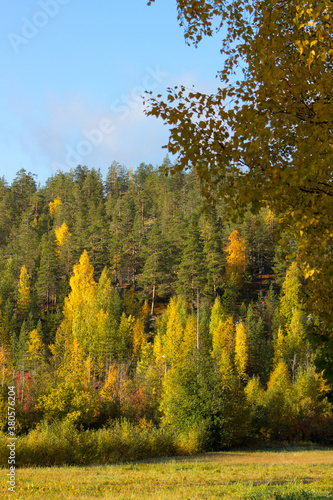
(23, 293)
(54, 207)
(62, 235)
(241, 351)
(35, 348)
(174, 333)
(236, 256)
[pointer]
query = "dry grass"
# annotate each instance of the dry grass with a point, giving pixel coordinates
(314, 457)
(285, 475)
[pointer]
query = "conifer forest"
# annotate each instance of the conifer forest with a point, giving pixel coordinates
(129, 299)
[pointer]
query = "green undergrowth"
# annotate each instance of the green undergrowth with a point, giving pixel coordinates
(61, 443)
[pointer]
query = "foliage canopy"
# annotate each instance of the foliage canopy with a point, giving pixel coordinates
(264, 138)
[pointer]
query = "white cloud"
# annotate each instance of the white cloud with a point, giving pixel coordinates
(71, 129)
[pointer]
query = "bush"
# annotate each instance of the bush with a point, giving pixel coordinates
(61, 443)
(48, 444)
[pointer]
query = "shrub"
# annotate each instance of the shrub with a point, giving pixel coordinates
(60, 443)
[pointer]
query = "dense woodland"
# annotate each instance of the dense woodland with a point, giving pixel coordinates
(129, 297)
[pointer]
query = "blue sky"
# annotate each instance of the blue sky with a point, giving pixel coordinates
(72, 75)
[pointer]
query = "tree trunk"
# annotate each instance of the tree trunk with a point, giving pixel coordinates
(153, 300)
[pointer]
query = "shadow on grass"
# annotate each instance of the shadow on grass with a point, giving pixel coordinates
(241, 456)
(299, 495)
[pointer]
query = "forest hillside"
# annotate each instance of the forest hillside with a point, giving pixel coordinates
(129, 298)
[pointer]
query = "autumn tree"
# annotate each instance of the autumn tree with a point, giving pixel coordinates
(241, 351)
(83, 319)
(62, 235)
(124, 338)
(264, 138)
(293, 343)
(82, 286)
(310, 395)
(173, 336)
(224, 338)
(278, 400)
(70, 397)
(189, 342)
(138, 336)
(35, 348)
(63, 249)
(54, 207)
(23, 292)
(290, 294)
(236, 256)
(217, 315)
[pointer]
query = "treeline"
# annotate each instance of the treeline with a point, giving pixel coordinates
(128, 298)
(146, 228)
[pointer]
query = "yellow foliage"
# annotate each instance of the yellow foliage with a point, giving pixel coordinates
(145, 424)
(139, 340)
(189, 341)
(254, 391)
(138, 336)
(226, 369)
(310, 389)
(236, 256)
(290, 292)
(279, 347)
(35, 346)
(23, 299)
(117, 386)
(99, 345)
(241, 351)
(88, 365)
(62, 234)
(314, 25)
(159, 355)
(145, 310)
(174, 333)
(83, 288)
(269, 218)
(109, 390)
(115, 265)
(151, 369)
(54, 207)
(279, 380)
(68, 400)
(295, 340)
(168, 388)
(224, 337)
(73, 367)
(217, 315)
(286, 146)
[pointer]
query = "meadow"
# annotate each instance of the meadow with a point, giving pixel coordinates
(294, 473)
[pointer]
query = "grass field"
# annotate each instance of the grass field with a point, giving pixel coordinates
(293, 474)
